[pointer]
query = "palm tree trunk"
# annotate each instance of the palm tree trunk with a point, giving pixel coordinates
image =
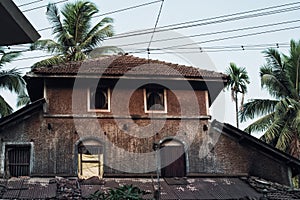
(236, 110)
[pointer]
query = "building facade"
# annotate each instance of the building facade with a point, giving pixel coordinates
(128, 116)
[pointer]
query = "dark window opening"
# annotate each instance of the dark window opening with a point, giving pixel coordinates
(155, 99)
(17, 159)
(99, 99)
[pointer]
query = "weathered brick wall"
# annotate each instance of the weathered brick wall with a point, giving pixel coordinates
(55, 137)
(234, 158)
(55, 148)
(62, 98)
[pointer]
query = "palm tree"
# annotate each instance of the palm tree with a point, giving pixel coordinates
(74, 35)
(11, 80)
(238, 80)
(280, 116)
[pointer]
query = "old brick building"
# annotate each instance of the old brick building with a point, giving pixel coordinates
(105, 116)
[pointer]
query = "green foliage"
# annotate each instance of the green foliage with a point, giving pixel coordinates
(73, 33)
(11, 80)
(126, 192)
(237, 83)
(280, 117)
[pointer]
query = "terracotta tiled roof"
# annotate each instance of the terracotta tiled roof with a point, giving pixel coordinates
(127, 65)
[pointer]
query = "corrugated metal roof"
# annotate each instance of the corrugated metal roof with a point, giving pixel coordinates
(197, 188)
(22, 188)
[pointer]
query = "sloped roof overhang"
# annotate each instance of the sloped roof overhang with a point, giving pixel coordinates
(16, 29)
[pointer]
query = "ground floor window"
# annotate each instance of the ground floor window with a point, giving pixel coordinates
(90, 159)
(17, 160)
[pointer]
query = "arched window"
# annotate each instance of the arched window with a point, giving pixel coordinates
(155, 100)
(99, 99)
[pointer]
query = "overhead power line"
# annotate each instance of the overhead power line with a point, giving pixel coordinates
(128, 8)
(214, 20)
(26, 4)
(236, 47)
(212, 33)
(221, 39)
(157, 19)
(43, 6)
(115, 11)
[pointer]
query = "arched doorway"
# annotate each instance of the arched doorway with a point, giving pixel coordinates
(90, 159)
(172, 158)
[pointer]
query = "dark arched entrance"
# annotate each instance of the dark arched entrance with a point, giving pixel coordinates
(172, 159)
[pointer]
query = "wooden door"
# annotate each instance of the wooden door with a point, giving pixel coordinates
(173, 162)
(18, 160)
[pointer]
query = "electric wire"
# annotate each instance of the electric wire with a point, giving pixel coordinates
(212, 33)
(128, 8)
(116, 11)
(157, 19)
(43, 6)
(208, 23)
(26, 4)
(232, 37)
(217, 17)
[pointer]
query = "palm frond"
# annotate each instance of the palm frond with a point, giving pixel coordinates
(275, 87)
(273, 58)
(93, 39)
(285, 138)
(8, 57)
(12, 80)
(5, 108)
(274, 76)
(261, 124)
(78, 18)
(23, 99)
(55, 60)
(257, 107)
(48, 45)
(59, 30)
(274, 130)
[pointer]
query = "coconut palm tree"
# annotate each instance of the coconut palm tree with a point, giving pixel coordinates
(74, 36)
(11, 80)
(238, 80)
(280, 116)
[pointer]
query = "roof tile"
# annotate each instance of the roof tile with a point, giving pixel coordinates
(127, 65)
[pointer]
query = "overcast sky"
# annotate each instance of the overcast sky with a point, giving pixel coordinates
(221, 38)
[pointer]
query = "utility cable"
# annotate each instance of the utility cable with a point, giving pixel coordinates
(26, 4)
(39, 7)
(157, 19)
(212, 33)
(233, 37)
(116, 11)
(208, 21)
(128, 8)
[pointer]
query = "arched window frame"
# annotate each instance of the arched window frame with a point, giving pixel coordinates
(106, 93)
(162, 93)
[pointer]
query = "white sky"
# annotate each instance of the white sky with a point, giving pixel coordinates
(177, 11)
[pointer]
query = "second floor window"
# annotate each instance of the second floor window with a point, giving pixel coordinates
(99, 99)
(155, 100)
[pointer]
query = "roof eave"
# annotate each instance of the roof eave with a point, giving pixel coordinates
(161, 77)
(17, 29)
(21, 112)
